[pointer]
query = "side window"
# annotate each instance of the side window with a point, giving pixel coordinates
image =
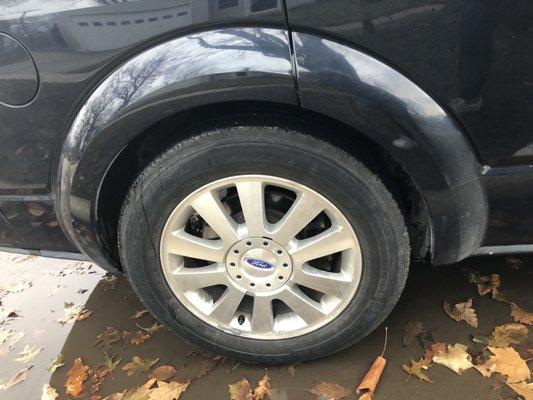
(223, 4)
(258, 6)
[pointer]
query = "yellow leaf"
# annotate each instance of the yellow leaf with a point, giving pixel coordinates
(28, 353)
(168, 391)
(57, 362)
(521, 315)
(138, 365)
(49, 392)
(262, 389)
(504, 335)
(416, 369)
(241, 390)
(163, 373)
(455, 357)
(330, 391)
(523, 389)
(462, 312)
(505, 361)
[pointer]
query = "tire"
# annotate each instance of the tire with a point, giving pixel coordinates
(214, 154)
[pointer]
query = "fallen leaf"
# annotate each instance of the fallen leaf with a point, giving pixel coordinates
(416, 368)
(241, 390)
(138, 365)
(109, 362)
(434, 350)
(28, 353)
(83, 314)
(156, 326)
(54, 290)
(139, 338)
(49, 392)
(139, 314)
(17, 378)
(412, 330)
(262, 389)
(76, 376)
(462, 312)
(97, 377)
(492, 285)
(504, 335)
(107, 338)
(455, 357)
(168, 391)
(523, 389)
(35, 209)
(521, 315)
(513, 262)
(70, 313)
(109, 282)
(330, 391)
(57, 362)
(505, 361)
(16, 287)
(163, 373)
(6, 314)
(292, 371)
(115, 396)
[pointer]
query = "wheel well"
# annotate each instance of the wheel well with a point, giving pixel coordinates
(154, 140)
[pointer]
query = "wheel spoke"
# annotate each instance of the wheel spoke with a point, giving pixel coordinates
(184, 244)
(301, 304)
(262, 315)
(329, 242)
(251, 196)
(210, 208)
(200, 277)
(305, 208)
(332, 283)
(226, 306)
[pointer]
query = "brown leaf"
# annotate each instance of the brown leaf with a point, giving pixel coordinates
(462, 312)
(156, 326)
(140, 337)
(139, 314)
(513, 262)
(523, 389)
(371, 379)
(262, 389)
(163, 373)
(434, 350)
(292, 370)
(455, 357)
(240, 390)
(109, 282)
(76, 376)
(412, 330)
(56, 363)
(17, 378)
(138, 365)
(416, 368)
(492, 285)
(97, 377)
(168, 391)
(521, 315)
(504, 335)
(330, 391)
(110, 363)
(107, 338)
(84, 314)
(505, 361)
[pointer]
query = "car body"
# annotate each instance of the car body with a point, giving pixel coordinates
(442, 91)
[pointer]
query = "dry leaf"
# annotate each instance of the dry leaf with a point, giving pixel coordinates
(107, 338)
(241, 390)
(504, 335)
(330, 391)
(455, 357)
(17, 378)
(521, 315)
(462, 312)
(371, 379)
(109, 282)
(76, 376)
(97, 377)
(70, 313)
(434, 350)
(292, 371)
(139, 314)
(492, 285)
(28, 353)
(262, 389)
(138, 365)
(513, 262)
(57, 362)
(139, 338)
(523, 389)
(109, 362)
(163, 373)
(115, 396)
(505, 361)
(16, 287)
(168, 391)
(416, 368)
(412, 330)
(49, 392)
(156, 326)
(83, 314)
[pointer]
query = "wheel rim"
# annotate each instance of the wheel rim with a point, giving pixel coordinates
(260, 257)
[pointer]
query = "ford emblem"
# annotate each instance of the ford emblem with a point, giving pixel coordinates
(259, 263)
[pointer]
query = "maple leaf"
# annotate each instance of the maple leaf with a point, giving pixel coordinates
(521, 315)
(76, 376)
(455, 357)
(462, 312)
(523, 389)
(28, 353)
(140, 313)
(109, 362)
(412, 330)
(262, 389)
(241, 390)
(107, 338)
(163, 373)
(416, 368)
(504, 335)
(56, 363)
(49, 392)
(138, 365)
(330, 391)
(20, 376)
(168, 391)
(505, 361)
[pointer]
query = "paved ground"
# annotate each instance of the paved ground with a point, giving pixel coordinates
(113, 306)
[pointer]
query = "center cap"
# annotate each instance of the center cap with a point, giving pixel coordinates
(258, 264)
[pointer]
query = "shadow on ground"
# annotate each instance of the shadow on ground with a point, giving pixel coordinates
(112, 306)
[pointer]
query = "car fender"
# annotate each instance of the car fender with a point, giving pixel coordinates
(382, 103)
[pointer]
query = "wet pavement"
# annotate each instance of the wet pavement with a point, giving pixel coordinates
(113, 303)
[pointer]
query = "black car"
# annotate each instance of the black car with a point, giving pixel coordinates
(264, 170)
